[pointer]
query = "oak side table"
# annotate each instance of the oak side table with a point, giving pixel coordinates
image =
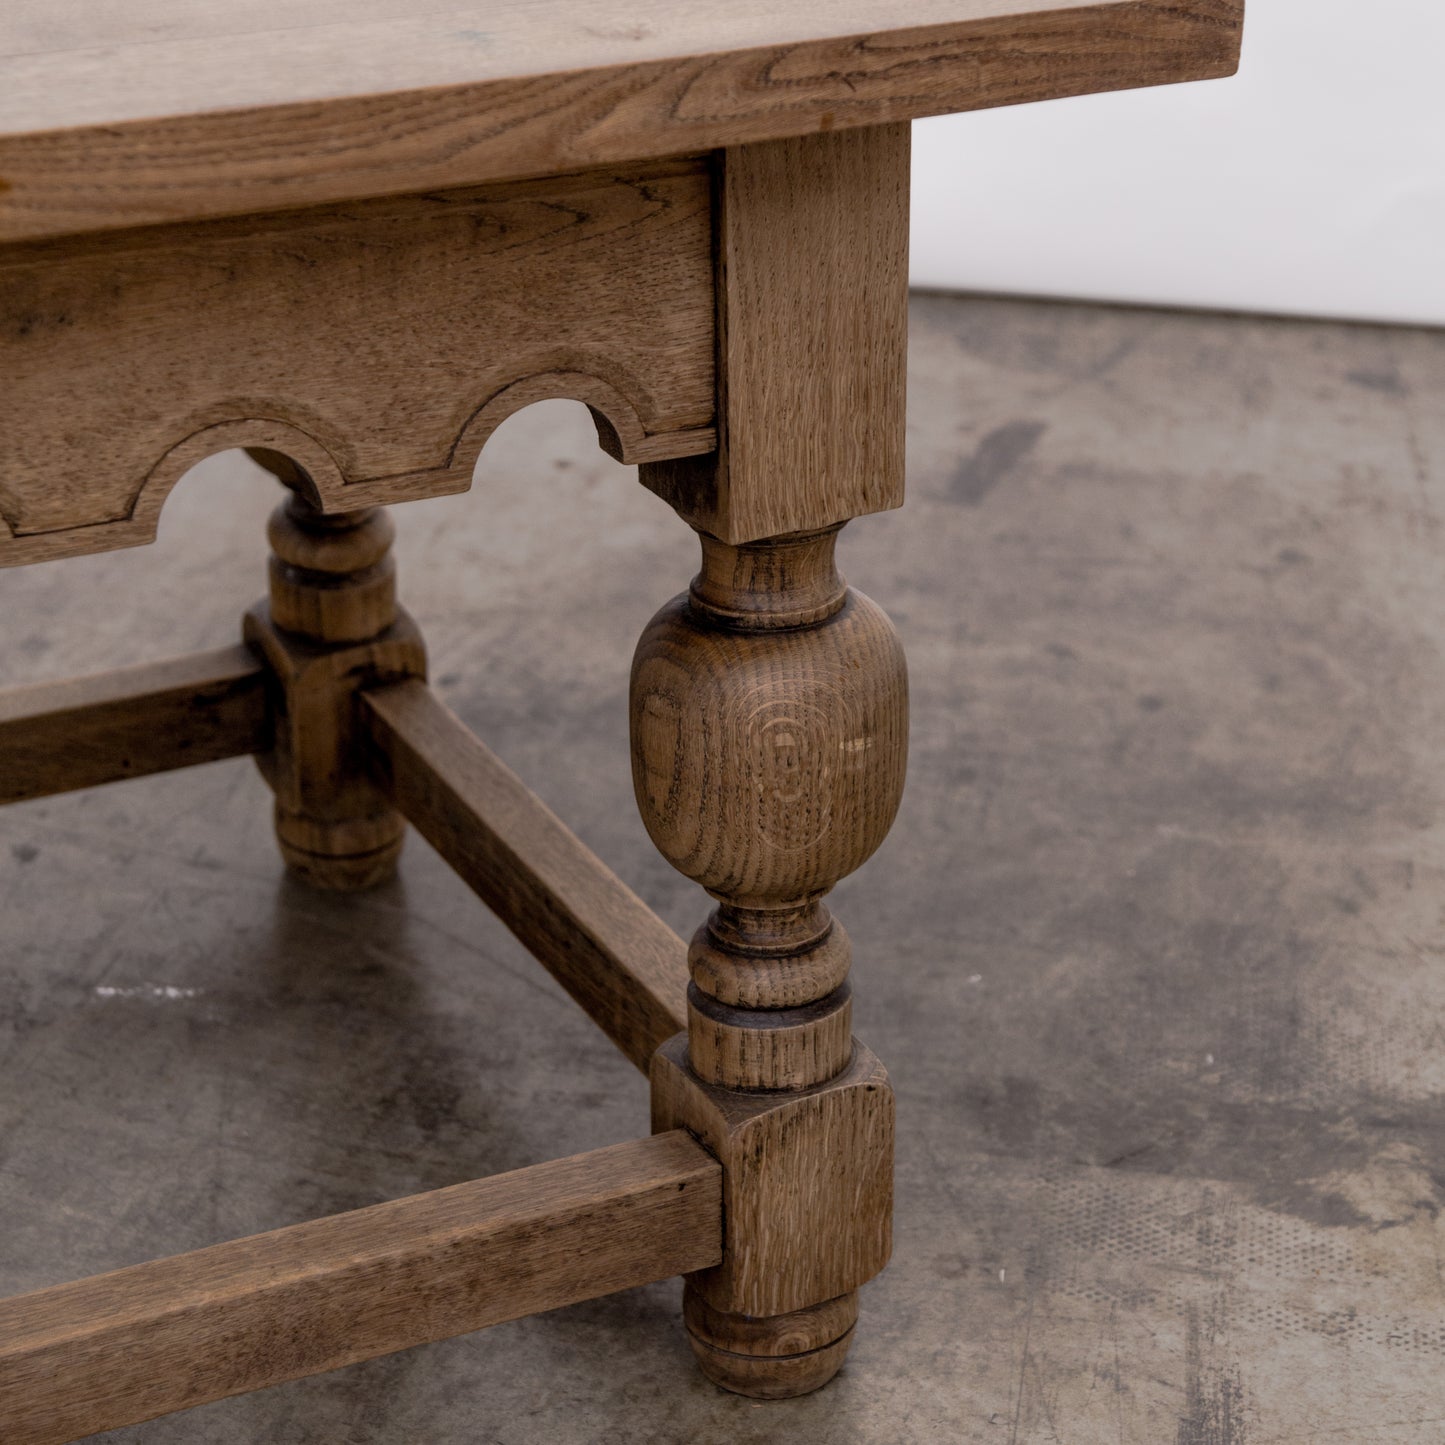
(353, 238)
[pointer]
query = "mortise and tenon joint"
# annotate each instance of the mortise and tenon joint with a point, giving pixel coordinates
(330, 628)
(769, 739)
(709, 251)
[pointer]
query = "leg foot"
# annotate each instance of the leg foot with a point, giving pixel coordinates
(340, 857)
(773, 1358)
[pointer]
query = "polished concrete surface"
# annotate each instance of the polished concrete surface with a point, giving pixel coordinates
(1155, 952)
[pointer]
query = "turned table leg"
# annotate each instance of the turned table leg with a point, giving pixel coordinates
(331, 626)
(769, 739)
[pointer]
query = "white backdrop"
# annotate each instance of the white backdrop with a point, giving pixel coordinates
(1312, 182)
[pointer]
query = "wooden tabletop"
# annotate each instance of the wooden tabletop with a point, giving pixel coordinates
(163, 110)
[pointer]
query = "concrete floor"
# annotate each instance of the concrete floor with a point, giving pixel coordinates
(1155, 952)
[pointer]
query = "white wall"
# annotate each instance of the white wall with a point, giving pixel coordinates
(1312, 182)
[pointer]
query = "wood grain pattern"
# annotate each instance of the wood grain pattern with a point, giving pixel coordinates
(332, 578)
(774, 1358)
(807, 1181)
(735, 320)
(774, 959)
(331, 626)
(776, 1048)
(812, 279)
(56, 736)
(123, 1347)
(172, 111)
(625, 967)
(768, 763)
(378, 345)
(769, 741)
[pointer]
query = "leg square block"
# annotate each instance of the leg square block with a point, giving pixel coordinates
(335, 827)
(807, 1181)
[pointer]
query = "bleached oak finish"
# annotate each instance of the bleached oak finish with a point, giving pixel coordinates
(174, 110)
(377, 345)
(812, 255)
(769, 716)
(123, 1347)
(807, 1181)
(625, 966)
(777, 1357)
(57, 736)
(769, 735)
(330, 627)
(353, 238)
(769, 741)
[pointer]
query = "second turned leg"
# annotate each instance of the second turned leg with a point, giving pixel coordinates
(769, 726)
(330, 626)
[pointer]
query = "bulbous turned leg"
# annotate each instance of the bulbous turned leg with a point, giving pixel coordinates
(769, 730)
(331, 626)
